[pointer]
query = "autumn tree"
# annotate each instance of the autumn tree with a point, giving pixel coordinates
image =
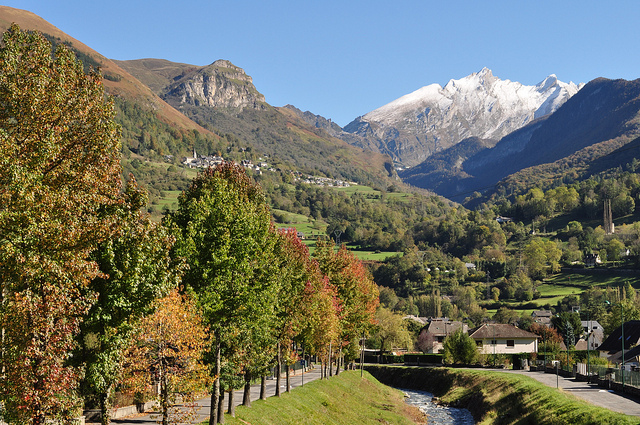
(168, 349)
(355, 288)
(222, 227)
(135, 270)
(59, 175)
(323, 308)
(550, 338)
(295, 270)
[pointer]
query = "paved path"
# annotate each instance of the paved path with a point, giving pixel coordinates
(204, 405)
(589, 392)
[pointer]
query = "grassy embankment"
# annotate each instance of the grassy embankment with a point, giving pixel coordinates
(345, 399)
(499, 398)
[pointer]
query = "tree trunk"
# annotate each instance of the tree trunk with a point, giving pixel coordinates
(105, 407)
(330, 360)
(232, 404)
(263, 387)
(164, 397)
(338, 361)
(221, 408)
(246, 399)
(278, 371)
(287, 370)
(213, 413)
(304, 366)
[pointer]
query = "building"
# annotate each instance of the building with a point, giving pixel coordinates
(595, 332)
(497, 338)
(542, 317)
(432, 336)
(590, 260)
(612, 346)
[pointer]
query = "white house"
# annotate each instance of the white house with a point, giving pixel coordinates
(504, 339)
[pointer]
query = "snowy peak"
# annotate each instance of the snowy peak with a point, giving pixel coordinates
(479, 105)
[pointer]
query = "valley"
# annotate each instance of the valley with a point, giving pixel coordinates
(278, 235)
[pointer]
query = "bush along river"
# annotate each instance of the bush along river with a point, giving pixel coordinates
(437, 415)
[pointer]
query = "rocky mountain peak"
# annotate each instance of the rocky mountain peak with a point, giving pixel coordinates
(432, 118)
(219, 85)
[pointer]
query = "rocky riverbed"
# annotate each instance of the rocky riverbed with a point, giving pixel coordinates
(437, 415)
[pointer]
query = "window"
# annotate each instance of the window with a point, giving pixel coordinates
(479, 344)
(494, 342)
(511, 343)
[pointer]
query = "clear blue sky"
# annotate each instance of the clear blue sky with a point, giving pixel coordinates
(342, 59)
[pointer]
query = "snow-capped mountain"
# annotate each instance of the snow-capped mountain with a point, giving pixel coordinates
(480, 105)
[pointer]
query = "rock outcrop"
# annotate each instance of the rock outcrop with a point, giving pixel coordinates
(219, 85)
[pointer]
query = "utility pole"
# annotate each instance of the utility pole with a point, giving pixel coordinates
(362, 357)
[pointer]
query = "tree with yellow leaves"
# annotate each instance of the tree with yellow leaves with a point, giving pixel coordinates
(168, 351)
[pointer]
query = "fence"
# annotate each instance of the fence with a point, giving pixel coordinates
(631, 377)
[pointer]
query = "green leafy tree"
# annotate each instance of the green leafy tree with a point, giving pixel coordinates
(460, 348)
(135, 270)
(569, 327)
(222, 228)
(390, 331)
(507, 316)
(541, 256)
(59, 177)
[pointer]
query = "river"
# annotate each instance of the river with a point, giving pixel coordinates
(437, 415)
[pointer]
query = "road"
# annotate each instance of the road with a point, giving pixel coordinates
(590, 392)
(204, 405)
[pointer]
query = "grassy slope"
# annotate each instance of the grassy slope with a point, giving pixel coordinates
(498, 398)
(344, 399)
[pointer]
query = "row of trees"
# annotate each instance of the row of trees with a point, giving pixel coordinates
(96, 297)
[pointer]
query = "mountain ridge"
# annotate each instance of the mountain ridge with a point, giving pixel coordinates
(222, 97)
(432, 118)
(602, 117)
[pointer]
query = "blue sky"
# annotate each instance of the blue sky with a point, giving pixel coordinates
(342, 59)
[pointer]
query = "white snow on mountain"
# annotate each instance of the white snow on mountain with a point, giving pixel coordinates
(479, 105)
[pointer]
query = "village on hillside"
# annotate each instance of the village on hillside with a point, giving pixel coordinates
(205, 161)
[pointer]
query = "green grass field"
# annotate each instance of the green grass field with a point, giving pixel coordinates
(372, 193)
(170, 200)
(586, 281)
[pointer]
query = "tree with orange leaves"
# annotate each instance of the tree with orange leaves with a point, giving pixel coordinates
(168, 349)
(357, 292)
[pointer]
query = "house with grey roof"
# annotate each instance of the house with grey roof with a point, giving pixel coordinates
(499, 338)
(432, 336)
